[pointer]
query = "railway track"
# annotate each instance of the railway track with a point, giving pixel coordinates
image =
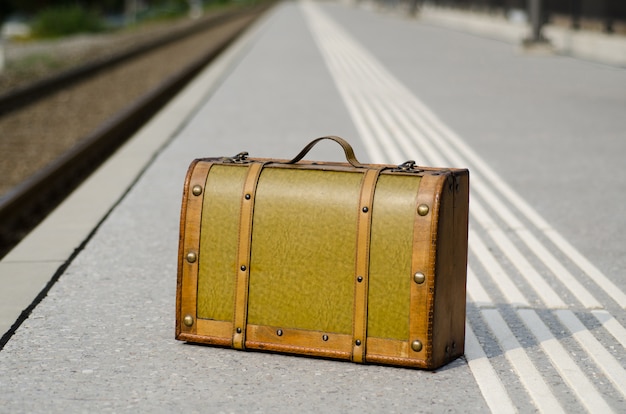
(61, 129)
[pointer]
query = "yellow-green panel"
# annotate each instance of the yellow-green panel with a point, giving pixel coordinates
(219, 242)
(303, 250)
(390, 256)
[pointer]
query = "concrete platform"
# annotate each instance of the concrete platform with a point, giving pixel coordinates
(542, 136)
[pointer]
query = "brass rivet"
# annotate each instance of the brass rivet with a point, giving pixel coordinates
(447, 349)
(357, 342)
(192, 257)
(324, 337)
(188, 320)
(247, 196)
(279, 332)
(243, 268)
(365, 209)
(196, 190)
(416, 345)
(238, 330)
(419, 278)
(422, 209)
(359, 279)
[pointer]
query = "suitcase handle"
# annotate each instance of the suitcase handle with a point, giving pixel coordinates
(347, 149)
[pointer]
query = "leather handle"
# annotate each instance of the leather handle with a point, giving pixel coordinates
(347, 149)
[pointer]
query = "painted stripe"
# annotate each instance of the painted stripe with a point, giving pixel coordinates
(558, 270)
(549, 297)
(491, 387)
(584, 389)
(537, 388)
(592, 271)
(605, 361)
(610, 324)
(497, 273)
(476, 291)
(371, 145)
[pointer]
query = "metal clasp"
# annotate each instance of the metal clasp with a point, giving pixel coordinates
(240, 158)
(408, 166)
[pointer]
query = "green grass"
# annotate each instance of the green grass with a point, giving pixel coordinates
(66, 20)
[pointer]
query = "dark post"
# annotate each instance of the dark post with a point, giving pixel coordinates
(535, 20)
(608, 17)
(536, 23)
(575, 14)
(414, 7)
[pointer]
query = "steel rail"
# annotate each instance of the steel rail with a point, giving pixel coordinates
(27, 204)
(25, 95)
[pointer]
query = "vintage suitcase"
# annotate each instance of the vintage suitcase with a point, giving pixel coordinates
(342, 260)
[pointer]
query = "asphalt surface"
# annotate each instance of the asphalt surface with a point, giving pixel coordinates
(543, 137)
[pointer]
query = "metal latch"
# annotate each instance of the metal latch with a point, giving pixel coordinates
(408, 166)
(240, 158)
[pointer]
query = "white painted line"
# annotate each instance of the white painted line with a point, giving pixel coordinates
(491, 387)
(560, 272)
(476, 291)
(584, 389)
(532, 380)
(342, 82)
(605, 361)
(549, 297)
(611, 325)
(497, 273)
(522, 206)
(592, 271)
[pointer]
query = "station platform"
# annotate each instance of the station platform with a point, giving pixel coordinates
(88, 299)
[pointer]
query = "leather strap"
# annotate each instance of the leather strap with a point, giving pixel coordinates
(243, 255)
(359, 325)
(189, 246)
(423, 262)
(347, 149)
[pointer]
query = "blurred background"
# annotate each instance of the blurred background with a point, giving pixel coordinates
(78, 77)
(34, 32)
(27, 23)
(603, 15)
(51, 18)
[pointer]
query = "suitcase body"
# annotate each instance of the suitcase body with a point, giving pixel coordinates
(342, 260)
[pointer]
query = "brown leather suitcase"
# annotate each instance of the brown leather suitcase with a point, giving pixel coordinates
(341, 260)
